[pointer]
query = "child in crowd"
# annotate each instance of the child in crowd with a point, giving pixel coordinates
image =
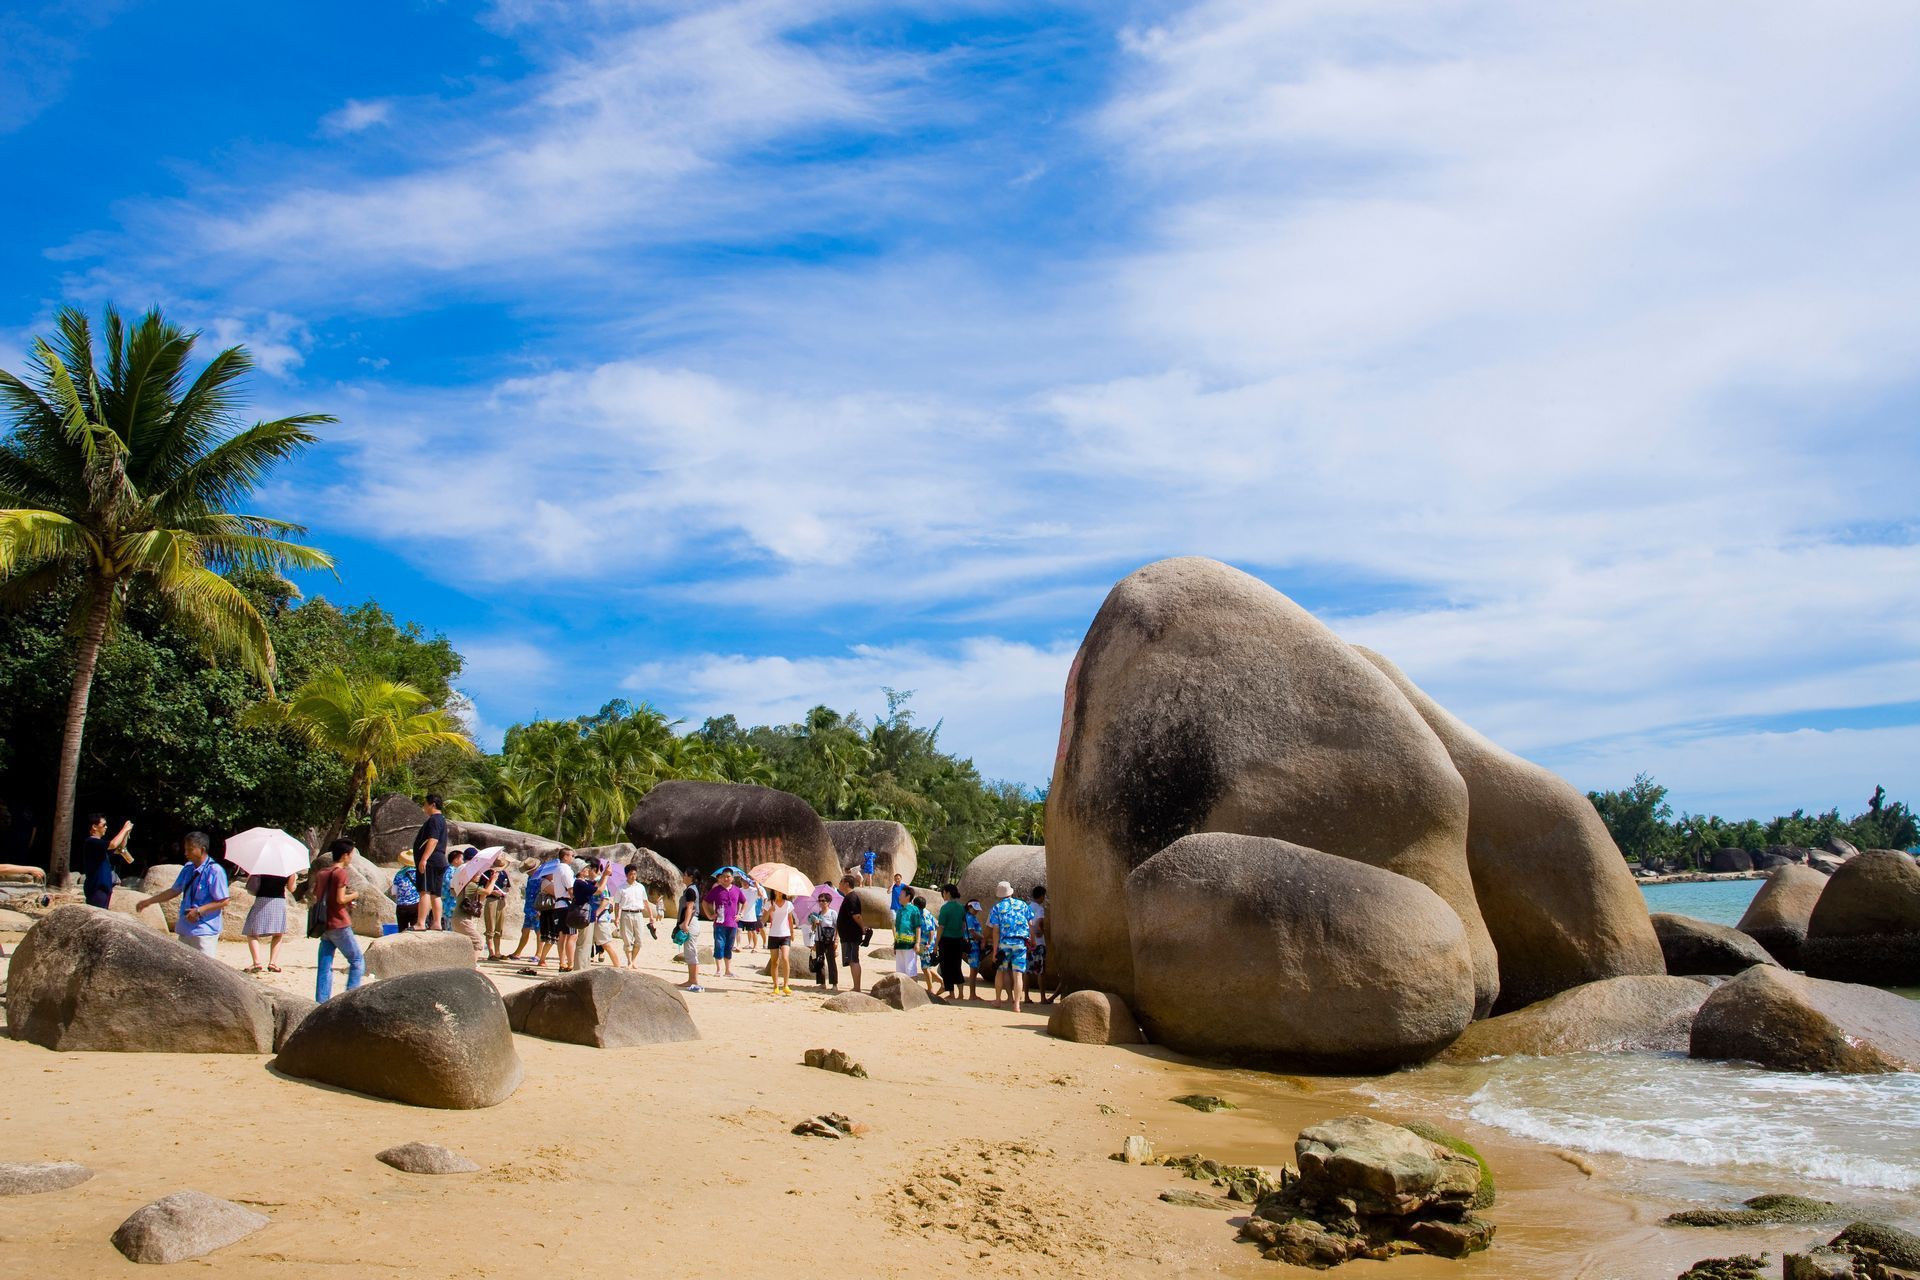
(977, 966)
(929, 942)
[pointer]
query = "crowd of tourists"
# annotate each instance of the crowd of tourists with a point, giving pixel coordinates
(577, 910)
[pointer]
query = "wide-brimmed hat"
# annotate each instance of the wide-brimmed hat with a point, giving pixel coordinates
(1003, 890)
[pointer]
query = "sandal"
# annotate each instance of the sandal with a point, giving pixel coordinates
(255, 969)
(273, 968)
(529, 973)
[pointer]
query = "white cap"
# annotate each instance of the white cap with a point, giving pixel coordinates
(1003, 890)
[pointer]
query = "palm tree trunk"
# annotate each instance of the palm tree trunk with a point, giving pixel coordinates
(355, 786)
(99, 609)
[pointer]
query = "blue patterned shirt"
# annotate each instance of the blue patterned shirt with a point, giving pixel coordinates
(1013, 917)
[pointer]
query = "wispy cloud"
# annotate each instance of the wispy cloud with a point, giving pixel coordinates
(354, 114)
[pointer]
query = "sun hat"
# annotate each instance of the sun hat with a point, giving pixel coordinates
(1003, 890)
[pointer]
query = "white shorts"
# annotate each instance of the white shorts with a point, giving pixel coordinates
(209, 943)
(907, 961)
(633, 927)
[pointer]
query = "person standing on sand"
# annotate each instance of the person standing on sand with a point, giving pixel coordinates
(820, 930)
(469, 904)
(96, 860)
(202, 889)
(897, 894)
(495, 885)
(332, 889)
(266, 918)
(529, 908)
(724, 901)
(449, 917)
(978, 961)
(1038, 935)
(850, 930)
(556, 899)
(929, 942)
(430, 860)
(906, 939)
(780, 943)
(953, 941)
(683, 925)
(752, 908)
(406, 893)
(1009, 926)
(636, 912)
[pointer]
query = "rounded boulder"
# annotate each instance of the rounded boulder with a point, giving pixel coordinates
(1701, 947)
(1335, 964)
(1788, 1022)
(1021, 865)
(892, 844)
(1094, 1017)
(707, 825)
(1866, 926)
(85, 980)
(1645, 1012)
(1203, 700)
(1777, 917)
(434, 1039)
(901, 993)
(418, 951)
(603, 1008)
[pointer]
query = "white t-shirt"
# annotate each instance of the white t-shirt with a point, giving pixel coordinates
(562, 878)
(780, 920)
(634, 897)
(750, 909)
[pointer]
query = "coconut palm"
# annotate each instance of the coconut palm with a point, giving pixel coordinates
(371, 724)
(123, 477)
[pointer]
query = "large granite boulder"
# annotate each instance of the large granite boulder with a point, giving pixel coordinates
(1021, 865)
(1699, 946)
(1637, 1011)
(1204, 700)
(604, 1008)
(127, 901)
(706, 825)
(1842, 849)
(520, 844)
(418, 951)
(396, 821)
(1723, 861)
(1335, 964)
(1094, 1017)
(373, 910)
(1557, 897)
(875, 914)
(98, 980)
(1778, 915)
(1866, 926)
(1788, 1022)
(662, 878)
(892, 845)
(160, 877)
(1791, 852)
(435, 1039)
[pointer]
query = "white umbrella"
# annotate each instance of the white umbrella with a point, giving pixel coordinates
(263, 851)
(474, 865)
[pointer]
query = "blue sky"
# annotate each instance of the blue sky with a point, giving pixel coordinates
(738, 356)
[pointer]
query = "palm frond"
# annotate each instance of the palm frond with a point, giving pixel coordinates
(218, 610)
(235, 467)
(30, 539)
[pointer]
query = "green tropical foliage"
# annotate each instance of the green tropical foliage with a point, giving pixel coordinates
(1642, 824)
(119, 471)
(371, 724)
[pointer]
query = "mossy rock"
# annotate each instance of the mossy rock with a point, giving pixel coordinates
(1740, 1267)
(1889, 1245)
(1761, 1211)
(1205, 1102)
(1483, 1197)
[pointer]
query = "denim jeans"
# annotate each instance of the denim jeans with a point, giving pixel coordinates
(343, 941)
(723, 941)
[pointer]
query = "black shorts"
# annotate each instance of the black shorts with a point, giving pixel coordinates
(433, 878)
(776, 944)
(553, 923)
(849, 949)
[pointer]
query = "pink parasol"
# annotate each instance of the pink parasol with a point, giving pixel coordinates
(474, 865)
(778, 875)
(812, 898)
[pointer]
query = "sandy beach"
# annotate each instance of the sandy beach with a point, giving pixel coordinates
(988, 1147)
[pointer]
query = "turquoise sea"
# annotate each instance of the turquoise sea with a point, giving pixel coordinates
(1718, 901)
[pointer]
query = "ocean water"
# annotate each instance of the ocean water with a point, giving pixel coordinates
(1697, 1131)
(1718, 901)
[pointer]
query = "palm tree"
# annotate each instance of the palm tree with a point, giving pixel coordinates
(371, 724)
(553, 767)
(124, 476)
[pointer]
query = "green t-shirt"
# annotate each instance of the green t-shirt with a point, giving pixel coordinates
(906, 925)
(953, 919)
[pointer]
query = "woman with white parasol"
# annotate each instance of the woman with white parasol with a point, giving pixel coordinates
(470, 895)
(271, 860)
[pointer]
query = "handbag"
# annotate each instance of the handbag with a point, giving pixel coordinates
(317, 918)
(680, 936)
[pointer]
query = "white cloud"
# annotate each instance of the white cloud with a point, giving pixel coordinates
(355, 114)
(985, 691)
(276, 342)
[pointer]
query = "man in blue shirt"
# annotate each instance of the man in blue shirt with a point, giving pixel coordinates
(868, 860)
(201, 887)
(1009, 926)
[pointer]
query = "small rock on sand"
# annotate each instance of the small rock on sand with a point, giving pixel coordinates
(1193, 1199)
(831, 1125)
(854, 1002)
(425, 1157)
(835, 1060)
(186, 1224)
(1204, 1102)
(1135, 1150)
(32, 1179)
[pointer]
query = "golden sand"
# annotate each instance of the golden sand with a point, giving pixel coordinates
(987, 1153)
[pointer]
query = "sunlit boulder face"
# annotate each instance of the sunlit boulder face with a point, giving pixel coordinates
(1866, 925)
(1557, 897)
(705, 825)
(892, 844)
(1204, 700)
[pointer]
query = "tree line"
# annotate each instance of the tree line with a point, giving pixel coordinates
(1642, 824)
